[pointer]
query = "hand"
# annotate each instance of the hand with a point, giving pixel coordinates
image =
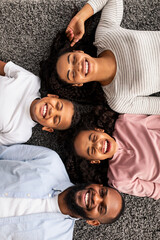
(75, 30)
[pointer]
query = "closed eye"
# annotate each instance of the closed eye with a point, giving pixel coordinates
(93, 150)
(74, 59)
(57, 120)
(94, 138)
(59, 105)
(100, 209)
(73, 74)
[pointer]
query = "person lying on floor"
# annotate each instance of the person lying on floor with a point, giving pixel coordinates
(22, 108)
(38, 201)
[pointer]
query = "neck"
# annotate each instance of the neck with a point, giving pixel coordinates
(62, 203)
(32, 109)
(106, 68)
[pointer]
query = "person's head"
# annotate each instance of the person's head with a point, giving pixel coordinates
(94, 145)
(76, 68)
(52, 112)
(90, 93)
(94, 202)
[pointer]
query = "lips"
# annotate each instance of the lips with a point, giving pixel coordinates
(87, 199)
(86, 67)
(106, 146)
(44, 109)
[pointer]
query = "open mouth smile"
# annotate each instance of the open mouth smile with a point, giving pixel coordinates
(86, 67)
(106, 146)
(44, 110)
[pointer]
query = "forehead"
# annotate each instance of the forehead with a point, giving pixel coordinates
(81, 143)
(113, 202)
(62, 61)
(66, 114)
(62, 65)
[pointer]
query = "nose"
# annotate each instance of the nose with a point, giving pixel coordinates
(97, 145)
(52, 111)
(77, 66)
(97, 199)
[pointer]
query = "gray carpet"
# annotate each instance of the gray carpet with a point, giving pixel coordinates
(26, 31)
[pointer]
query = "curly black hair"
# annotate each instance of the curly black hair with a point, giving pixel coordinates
(80, 170)
(90, 93)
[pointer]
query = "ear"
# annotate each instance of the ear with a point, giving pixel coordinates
(95, 161)
(99, 130)
(52, 95)
(48, 129)
(93, 222)
(77, 85)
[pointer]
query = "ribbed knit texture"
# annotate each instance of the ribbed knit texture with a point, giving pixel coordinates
(137, 56)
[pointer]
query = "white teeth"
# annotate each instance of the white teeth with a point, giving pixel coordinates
(105, 146)
(44, 110)
(87, 199)
(86, 67)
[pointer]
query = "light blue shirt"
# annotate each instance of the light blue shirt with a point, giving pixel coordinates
(33, 172)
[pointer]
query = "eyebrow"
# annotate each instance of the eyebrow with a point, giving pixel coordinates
(88, 147)
(68, 59)
(88, 151)
(106, 206)
(90, 137)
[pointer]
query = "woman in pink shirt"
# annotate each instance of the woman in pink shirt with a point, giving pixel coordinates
(133, 153)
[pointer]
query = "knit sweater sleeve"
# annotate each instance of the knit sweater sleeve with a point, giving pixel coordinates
(136, 105)
(111, 16)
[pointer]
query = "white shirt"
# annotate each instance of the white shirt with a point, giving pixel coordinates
(18, 89)
(13, 207)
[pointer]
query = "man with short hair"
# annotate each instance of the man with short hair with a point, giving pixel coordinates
(38, 201)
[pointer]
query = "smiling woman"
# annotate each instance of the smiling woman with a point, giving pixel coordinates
(76, 68)
(126, 60)
(89, 93)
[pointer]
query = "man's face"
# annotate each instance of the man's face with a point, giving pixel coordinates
(52, 112)
(95, 202)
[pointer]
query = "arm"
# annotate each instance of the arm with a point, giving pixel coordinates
(22, 152)
(2, 65)
(75, 29)
(111, 14)
(139, 188)
(138, 105)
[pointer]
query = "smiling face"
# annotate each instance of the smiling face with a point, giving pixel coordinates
(76, 68)
(52, 112)
(101, 204)
(95, 145)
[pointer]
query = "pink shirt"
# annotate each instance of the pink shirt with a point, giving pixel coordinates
(135, 167)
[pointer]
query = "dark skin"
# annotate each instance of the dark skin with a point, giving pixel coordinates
(100, 203)
(2, 65)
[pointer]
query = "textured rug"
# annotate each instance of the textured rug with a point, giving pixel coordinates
(27, 28)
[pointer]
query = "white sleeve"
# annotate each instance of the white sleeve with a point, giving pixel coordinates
(11, 69)
(111, 16)
(13, 138)
(139, 105)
